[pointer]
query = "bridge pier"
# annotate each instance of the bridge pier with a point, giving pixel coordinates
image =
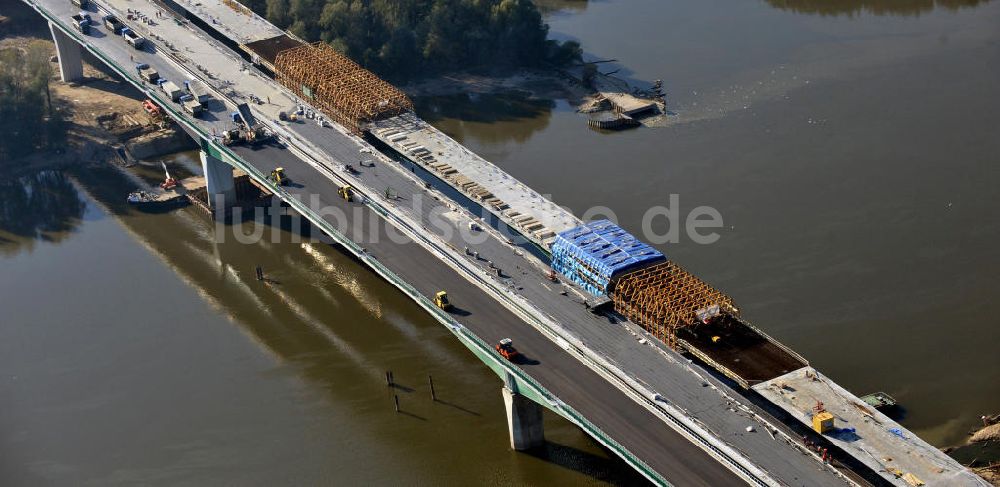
(220, 185)
(70, 55)
(524, 421)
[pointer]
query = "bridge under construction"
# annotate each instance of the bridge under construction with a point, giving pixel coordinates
(652, 362)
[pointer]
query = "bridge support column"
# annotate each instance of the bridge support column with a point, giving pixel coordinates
(219, 181)
(524, 421)
(70, 55)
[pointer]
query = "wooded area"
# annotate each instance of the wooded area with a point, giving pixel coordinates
(27, 119)
(403, 39)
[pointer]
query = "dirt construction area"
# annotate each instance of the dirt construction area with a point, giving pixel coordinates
(101, 109)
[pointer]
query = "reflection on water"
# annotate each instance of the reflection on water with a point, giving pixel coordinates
(243, 379)
(548, 7)
(876, 7)
(523, 114)
(42, 206)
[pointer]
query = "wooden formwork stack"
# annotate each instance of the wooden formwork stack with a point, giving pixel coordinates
(663, 298)
(342, 89)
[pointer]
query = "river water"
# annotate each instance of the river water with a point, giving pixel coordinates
(850, 147)
(137, 349)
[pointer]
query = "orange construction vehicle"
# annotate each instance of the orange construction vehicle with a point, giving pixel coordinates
(151, 108)
(169, 182)
(507, 350)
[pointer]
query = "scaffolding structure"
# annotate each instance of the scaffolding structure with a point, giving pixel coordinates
(340, 88)
(664, 298)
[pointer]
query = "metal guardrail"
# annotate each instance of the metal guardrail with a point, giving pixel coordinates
(486, 353)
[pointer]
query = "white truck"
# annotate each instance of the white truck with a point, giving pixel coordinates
(147, 73)
(199, 90)
(172, 90)
(81, 22)
(191, 105)
(133, 39)
(113, 24)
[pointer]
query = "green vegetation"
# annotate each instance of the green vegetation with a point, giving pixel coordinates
(403, 39)
(28, 121)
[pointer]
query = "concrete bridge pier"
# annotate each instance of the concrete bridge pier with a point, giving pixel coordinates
(524, 421)
(70, 55)
(220, 185)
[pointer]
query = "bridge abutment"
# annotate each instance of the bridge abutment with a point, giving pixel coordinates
(70, 55)
(524, 421)
(219, 182)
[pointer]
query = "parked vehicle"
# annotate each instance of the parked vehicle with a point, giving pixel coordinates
(191, 105)
(113, 24)
(81, 3)
(151, 108)
(171, 89)
(133, 39)
(199, 90)
(147, 73)
(81, 22)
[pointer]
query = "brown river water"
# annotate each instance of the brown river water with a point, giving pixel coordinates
(851, 148)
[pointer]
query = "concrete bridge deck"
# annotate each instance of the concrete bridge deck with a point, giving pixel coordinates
(315, 167)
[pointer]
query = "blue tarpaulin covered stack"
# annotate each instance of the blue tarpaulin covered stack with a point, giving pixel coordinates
(592, 255)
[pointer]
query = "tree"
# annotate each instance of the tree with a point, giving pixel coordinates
(401, 39)
(28, 121)
(276, 11)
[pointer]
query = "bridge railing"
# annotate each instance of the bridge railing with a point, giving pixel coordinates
(526, 383)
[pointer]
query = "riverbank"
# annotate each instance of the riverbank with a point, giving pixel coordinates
(539, 83)
(102, 112)
(983, 444)
(584, 87)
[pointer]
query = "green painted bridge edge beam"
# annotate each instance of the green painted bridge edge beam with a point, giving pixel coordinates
(525, 384)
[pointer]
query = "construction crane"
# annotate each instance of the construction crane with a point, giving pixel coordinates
(169, 182)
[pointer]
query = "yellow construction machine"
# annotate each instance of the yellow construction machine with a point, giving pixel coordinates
(441, 300)
(278, 176)
(346, 192)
